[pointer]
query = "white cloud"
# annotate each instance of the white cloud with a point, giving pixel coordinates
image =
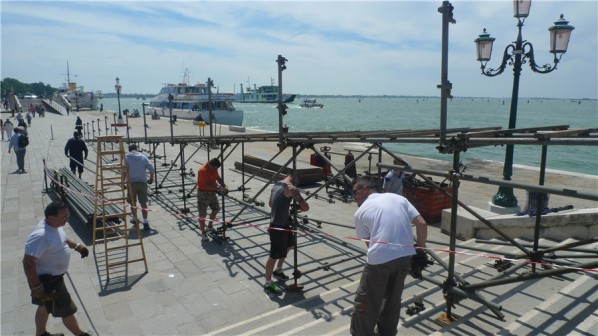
(334, 47)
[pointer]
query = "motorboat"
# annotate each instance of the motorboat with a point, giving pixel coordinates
(263, 94)
(193, 101)
(310, 103)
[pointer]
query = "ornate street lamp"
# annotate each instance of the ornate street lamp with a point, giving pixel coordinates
(117, 87)
(516, 54)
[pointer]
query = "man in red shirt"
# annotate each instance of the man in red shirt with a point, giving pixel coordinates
(209, 183)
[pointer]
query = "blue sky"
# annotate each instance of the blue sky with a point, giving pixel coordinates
(332, 47)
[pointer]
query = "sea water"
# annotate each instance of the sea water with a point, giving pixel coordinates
(416, 113)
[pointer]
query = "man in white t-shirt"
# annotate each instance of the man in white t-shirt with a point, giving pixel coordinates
(384, 220)
(46, 260)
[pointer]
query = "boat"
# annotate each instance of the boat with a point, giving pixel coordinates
(192, 101)
(263, 94)
(310, 103)
(75, 97)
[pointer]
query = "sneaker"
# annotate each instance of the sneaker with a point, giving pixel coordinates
(48, 334)
(279, 275)
(212, 229)
(273, 288)
(204, 237)
(146, 226)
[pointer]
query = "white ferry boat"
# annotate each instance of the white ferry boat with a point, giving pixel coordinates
(191, 101)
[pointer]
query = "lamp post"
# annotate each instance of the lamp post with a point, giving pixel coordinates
(516, 54)
(117, 87)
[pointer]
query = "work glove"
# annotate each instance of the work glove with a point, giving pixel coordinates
(38, 292)
(419, 261)
(223, 191)
(82, 250)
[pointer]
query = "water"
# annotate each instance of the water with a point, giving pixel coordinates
(349, 114)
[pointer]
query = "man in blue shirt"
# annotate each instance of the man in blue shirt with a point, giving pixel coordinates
(19, 151)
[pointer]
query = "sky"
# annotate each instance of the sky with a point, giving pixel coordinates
(332, 47)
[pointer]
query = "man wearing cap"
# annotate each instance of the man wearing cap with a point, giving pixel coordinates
(74, 149)
(19, 151)
(208, 184)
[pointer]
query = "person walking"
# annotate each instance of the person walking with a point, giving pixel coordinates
(384, 221)
(209, 183)
(74, 149)
(393, 181)
(79, 126)
(45, 262)
(135, 167)
(28, 117)
(2, 129)
(8, 128)
(281, 238)
(19, 147)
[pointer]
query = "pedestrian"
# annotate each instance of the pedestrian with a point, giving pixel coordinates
(74, 149)
(282, 238)
(209, 183)
(79, 126)
(28, 117)
(2, 129)
(135, 166)
(45, 262)
(393, 181)
(384, 221)
(8, 128)
(19, 147)
(19, 117)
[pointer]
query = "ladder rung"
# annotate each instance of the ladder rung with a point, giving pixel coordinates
(108, 239)
(109, 152)
(110, 191)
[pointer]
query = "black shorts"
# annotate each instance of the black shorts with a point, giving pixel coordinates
(75, 165)
(280, 242)
(62, 305)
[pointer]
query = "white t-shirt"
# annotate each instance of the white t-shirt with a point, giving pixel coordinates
(48, 245)
(386, 218)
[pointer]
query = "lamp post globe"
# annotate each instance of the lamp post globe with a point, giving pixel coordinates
(517, 54)
(118, 87)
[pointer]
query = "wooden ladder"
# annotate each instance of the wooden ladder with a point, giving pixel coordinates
(111, 210)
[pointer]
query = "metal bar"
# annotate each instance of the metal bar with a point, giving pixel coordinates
(530, 276)
(486, 180)
(568, 247)
(539, 204)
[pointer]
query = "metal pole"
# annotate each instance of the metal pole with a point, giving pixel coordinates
(170, 99)
(445, 86)
(450, 282)
(505, 197)
(210, 84)
(128, 139)
(144, 122)
(539, 202)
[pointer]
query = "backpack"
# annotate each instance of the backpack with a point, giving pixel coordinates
(23, 141)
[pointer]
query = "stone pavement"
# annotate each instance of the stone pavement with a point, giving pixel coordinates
(196, 288)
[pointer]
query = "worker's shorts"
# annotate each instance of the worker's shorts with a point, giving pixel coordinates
(207, 199)
(62, 305)
(280, 242)
(138, 192)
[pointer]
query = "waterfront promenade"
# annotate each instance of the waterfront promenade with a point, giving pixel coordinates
(197, 288)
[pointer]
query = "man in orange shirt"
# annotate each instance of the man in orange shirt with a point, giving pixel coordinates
(209, 183)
